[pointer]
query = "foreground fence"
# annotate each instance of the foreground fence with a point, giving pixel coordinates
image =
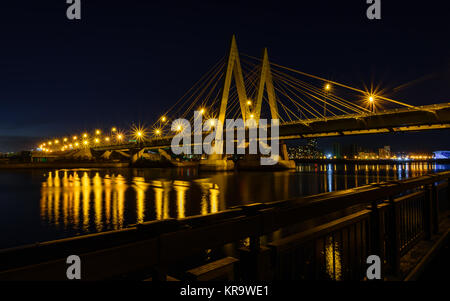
(386, 219)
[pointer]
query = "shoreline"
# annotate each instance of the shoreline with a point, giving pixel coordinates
(61, 165)
(370, 161)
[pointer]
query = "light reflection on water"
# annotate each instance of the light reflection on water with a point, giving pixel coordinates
(80, 201)
(77, 200)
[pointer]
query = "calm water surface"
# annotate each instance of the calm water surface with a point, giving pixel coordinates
(40, 205)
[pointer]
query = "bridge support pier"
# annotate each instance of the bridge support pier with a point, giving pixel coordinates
(253, 162)
(216, 163)
(136, 154)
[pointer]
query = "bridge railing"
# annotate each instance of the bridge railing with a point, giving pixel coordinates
(385, 219)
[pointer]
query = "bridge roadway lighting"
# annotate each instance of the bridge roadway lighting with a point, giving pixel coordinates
(249, 102)
(97, 140)
(85, 142)
(158, 132)
(202, 111)
(119, 137)
(85, 135)
(163, 118)
(107, 139)
(114, 129)
(97, 132)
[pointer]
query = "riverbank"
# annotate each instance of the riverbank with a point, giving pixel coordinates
(47, 165)
(164, 164)
(370, 161)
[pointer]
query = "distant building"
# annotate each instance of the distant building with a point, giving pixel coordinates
(441, 154)
(308, 151)
(385, 152)
(367, 155)
(337, 150)
(353, 151)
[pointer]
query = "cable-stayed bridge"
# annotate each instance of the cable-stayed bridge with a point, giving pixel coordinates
(241, 86)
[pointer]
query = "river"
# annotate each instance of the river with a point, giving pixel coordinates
(39, 205)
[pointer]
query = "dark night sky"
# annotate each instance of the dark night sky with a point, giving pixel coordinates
(128, 61)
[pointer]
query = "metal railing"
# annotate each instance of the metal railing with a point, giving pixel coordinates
(391, 218)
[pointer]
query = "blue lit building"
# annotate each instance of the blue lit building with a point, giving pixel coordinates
(442, 154)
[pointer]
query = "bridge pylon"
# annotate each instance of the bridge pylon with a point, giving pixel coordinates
(233, 69)
(265, 80)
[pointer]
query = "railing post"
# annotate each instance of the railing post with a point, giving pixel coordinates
(376, 238)
(393, 237)
(427, 212)
(377, 234)
(159, 274)
(448, 193)
(255, 259)
(434, 209)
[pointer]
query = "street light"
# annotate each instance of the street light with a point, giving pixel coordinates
(327, 89)
(372, 103)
